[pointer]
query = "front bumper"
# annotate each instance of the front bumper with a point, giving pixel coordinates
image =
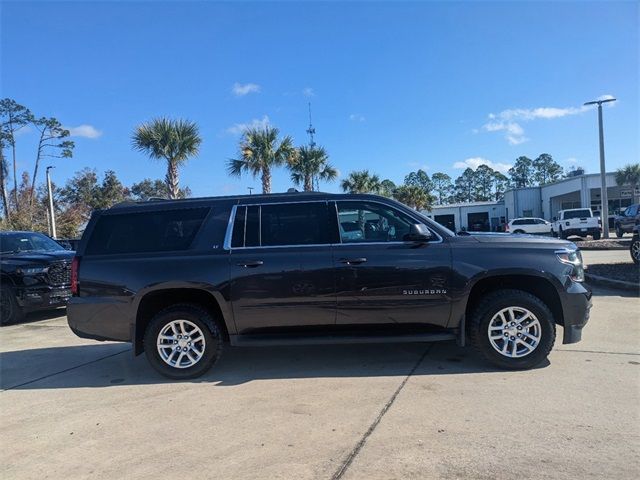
(42, 296)
(576, 306)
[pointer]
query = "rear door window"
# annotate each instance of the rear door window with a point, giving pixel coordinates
(294, 224)
(282, 224)
(158, 231)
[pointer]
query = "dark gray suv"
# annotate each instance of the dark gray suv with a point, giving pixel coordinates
(183, 279)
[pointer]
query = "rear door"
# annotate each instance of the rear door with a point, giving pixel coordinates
(281, 267)
(382, 279)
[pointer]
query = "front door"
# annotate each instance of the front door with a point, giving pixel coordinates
(281, 267)
(382, 279)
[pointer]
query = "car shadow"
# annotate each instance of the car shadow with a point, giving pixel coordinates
(109, 365)
(40, 315)
(599, 291)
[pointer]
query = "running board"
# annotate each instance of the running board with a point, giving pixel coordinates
(268, 340)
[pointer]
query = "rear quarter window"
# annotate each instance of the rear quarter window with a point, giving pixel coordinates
(146, 232)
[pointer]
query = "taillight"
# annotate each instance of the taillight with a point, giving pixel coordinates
(75, 266)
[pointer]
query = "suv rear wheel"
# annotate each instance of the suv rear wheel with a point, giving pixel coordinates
(183, 341)
(512, 329)
(619, 232)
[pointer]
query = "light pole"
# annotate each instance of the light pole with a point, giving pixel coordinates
(604, 209)
(52, 215)
(250, 190)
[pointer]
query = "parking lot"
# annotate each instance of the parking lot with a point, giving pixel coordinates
(77, 409)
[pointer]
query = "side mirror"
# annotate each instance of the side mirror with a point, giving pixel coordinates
(418, 233)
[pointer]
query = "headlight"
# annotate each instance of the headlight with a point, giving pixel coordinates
(32, 270)
(573, 258)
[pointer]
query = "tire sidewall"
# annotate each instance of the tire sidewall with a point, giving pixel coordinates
(547, 325)
(210, 331)
(16, 312)
(635, 259)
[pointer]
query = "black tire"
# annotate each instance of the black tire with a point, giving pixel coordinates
(519, 231)
(211, 331)
(619, 232)
(634, 250)
(561, 234)
(596, 236)
(493, 303)
(10, 311)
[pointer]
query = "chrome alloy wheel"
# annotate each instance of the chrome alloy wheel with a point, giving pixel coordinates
(181, 344)
(514, 332)
(635, 249)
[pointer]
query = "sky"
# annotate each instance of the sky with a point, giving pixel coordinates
(393, 86)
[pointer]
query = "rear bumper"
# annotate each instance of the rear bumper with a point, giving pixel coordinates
(582, 231)
(576, 307)
(42, 296)
(99, 319)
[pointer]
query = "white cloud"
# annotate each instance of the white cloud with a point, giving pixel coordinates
(571, 160)
(239, 128)
(607, 96)
(86, 131)
(357, 117)
(475, 162)
(509, 121)
(308, 92)
(242, 89)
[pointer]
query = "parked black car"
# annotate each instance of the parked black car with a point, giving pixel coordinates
(627, 219)
(180, 279)
(35, 274)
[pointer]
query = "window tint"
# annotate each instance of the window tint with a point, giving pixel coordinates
(632, 210)
(577, 214)
(252, 232)
(294, 224)
(146, 231)
(371, 222)
(540, 221)
(237, 236)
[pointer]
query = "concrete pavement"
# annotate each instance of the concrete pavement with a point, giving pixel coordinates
(77, 409)
(592, 257)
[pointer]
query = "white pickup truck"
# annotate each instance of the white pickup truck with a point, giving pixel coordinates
(577, 221)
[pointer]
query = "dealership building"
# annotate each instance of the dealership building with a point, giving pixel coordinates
(581, 191)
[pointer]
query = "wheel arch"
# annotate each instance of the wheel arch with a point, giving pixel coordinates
(158, 299)
(537, 285)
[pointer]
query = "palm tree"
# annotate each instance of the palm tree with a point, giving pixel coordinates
(413, 196)
(260, 151)
(361, 182)
(172, 140)
(311, 164)
(629, 175)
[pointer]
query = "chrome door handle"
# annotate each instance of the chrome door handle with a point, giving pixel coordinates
(250, 263)
(353, 261)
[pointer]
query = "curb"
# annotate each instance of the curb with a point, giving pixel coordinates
(611, 283)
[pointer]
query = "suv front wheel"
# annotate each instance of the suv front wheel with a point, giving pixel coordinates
(183, 341)
(512, 329)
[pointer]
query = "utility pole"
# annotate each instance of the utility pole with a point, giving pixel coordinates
(250, 190)
(52, 214)
(604, 208)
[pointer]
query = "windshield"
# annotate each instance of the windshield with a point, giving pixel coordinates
(577, 214)
(27, 242)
